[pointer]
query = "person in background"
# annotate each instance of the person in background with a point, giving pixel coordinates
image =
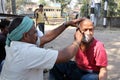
(40, 16)
(25, 60)
(90, 61)
(3, 34)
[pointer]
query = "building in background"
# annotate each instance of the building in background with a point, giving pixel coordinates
(53, 10)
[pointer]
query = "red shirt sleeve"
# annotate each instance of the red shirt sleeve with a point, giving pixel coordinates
(101, 56)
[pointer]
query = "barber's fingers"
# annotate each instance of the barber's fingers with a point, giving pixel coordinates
(78, 19)
(76, 22)
(78, 29)
(78, 36)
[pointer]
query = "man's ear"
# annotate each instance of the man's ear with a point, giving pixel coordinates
(25, 35)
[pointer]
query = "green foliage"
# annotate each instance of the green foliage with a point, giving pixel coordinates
(43, 2)
(118, 7)
(18, 2)
(112, 8)
(64, 3)
(85, 9)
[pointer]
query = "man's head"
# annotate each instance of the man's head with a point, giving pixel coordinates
(40, 7)
(87, 28)
(22, 29)
(3, 25)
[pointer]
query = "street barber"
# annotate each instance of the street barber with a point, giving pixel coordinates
(25, 60)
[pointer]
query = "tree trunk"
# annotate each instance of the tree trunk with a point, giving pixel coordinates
(13, 3)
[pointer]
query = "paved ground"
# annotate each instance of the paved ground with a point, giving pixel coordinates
(110, 38)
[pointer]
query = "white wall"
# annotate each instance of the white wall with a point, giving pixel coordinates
(2, 6)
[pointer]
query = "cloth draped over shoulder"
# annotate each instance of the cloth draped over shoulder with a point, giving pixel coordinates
(18, 32)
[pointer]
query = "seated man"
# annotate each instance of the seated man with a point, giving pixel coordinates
(3, 34)
(90, 61)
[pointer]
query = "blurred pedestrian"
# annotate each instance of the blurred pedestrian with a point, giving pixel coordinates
(40, 16)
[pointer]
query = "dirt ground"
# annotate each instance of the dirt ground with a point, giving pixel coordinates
(110, 38)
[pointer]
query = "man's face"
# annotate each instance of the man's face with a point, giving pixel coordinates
(87, 28)
(4, 30)
(40, 8)
(32, 35)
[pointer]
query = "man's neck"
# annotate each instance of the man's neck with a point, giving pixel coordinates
(40, 10)
(84, 46)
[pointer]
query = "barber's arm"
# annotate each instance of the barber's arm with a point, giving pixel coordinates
(49, 36)
(103, 73)
(71, 50)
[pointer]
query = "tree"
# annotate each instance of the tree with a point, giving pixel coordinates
(64, 3)
(13, 3)
(42, 2)
(118, 7)
(85, 8)
(112, 8)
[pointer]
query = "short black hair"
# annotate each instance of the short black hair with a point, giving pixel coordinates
(4, 23)
(40, 5)
(14, 23)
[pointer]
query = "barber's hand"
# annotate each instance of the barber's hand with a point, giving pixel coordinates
(78, 36)
(74, 22)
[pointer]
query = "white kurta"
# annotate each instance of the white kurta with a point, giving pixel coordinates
(97, 1)
(25, 61)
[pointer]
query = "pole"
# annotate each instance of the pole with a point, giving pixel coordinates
(13, 3)
(92, 15)
(105, 14)
(2, 6)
